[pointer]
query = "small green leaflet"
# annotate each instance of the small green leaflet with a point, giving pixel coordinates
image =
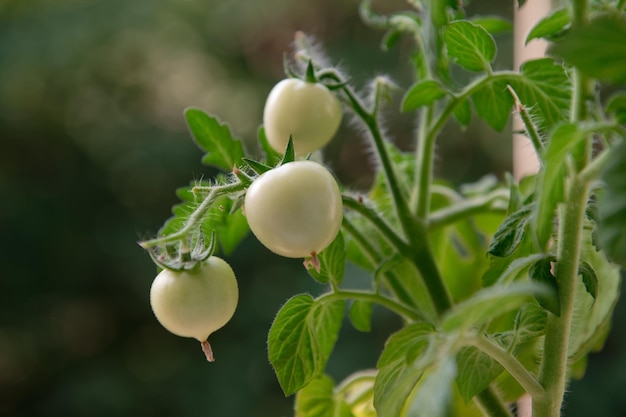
(476, 371)
(510, 233)
(332, 263)
(550, 27)
(361, 315)
(590, 279)
(612, 207)
(470, 45)
(493, 103)
(397, 374)
(491, 302)
(301, 339)
(530, 323)
(423, 93)
(597, 49)
(318, 399)
(222, 150)
(463, 113)
(541, 272)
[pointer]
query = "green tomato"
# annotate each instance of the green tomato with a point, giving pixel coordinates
(195, 303)
(295, 210)
(308, 112)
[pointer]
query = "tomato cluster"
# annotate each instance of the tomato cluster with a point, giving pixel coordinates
(295, 210)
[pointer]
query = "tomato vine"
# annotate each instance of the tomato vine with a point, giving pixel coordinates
(501, 285)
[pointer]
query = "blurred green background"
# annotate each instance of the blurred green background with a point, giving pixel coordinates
(93, 145)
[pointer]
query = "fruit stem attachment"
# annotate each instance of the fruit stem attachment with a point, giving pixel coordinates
(313, 262)
(208, 352)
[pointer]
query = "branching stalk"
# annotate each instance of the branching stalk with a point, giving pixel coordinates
(196, 217)
(375, 258)
(511, 364)
(464, 209)
(392, 305)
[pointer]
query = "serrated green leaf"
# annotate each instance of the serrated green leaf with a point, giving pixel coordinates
(550, 26)
(491, 302)
(332, 263)
(302, 338)
(325, 319)
(470, 45)
(541, 272)
(361, 315)
(397, 375)
(612, 207)
(476, 371)
(294, 350)
(550, 182)
(222, 149)
(318, 399)
(510, 233)
(493, 24)
(597, 49)
(423, 93)
(590, 279)
(542, 86)
(492, 104)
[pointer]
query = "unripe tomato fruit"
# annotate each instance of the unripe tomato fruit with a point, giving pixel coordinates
(295, 210)
(195, 303)
(307, 111)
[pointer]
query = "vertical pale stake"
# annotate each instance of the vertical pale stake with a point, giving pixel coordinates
(525, 160)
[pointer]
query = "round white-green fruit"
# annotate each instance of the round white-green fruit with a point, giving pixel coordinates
(295, 210)
(195, 303)
(307, 111)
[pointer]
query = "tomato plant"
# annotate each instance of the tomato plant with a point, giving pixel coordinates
(504, 286)
(304, 110)
(197, 302)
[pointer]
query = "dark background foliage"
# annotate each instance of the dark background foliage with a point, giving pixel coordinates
(93, 145)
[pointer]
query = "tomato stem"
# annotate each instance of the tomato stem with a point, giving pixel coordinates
(402, 310)
(375, 258)
(208, 351)
(197, 216)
